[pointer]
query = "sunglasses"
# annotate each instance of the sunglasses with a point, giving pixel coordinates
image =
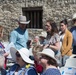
(18, 55)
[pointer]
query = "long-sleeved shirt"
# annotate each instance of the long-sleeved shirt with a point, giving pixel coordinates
(19, 38)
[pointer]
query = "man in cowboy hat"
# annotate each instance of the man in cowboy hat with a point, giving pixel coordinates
(19, 36)
(73, 30)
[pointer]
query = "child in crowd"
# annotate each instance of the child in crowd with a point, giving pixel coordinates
(36, 40)
(35, 50)
(42, 37)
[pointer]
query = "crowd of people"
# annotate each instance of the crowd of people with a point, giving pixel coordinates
(42, 55)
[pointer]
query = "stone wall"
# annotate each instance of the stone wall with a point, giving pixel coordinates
(55, 9)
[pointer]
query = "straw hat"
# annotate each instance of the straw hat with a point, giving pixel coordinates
(49, 52)
(43, 34)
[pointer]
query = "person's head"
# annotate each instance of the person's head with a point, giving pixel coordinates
(36, 39)
(43, 35)
(23, 22)
(48, 57)
(51, 27)
(63, 25)
(21, 56)
(74, 18)
(2, 59)
(35, 50)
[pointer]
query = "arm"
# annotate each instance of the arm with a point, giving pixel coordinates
(56, 46)
(6, 54)
(13, 37)
(68, 46)
(27, 36)
(56, 42)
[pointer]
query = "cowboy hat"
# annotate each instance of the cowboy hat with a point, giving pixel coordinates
(74, 16)
(49, 52)
(43, 34)
(24, 52)
(23, 20)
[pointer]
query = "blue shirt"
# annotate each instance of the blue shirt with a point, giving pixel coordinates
(19, 38)
(51, 71)
(21, 71)
(73, 30)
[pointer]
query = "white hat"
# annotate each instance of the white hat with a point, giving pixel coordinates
(73, 55)
(24, 52)
(43, 34)
(23, 20)
(74, 16)
(71, 62)
(49, 52)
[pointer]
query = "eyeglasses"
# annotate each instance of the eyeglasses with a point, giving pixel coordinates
(18, 55)
(43, 57)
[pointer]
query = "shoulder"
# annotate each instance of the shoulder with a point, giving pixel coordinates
(32, 71)
(14, 31)
(26, 30)
(56, 35)
(69, 33)
(73, 28)
(52, 71)
(13, 67)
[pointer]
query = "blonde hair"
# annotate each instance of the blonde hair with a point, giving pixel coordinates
(2, 59)
(37, 48)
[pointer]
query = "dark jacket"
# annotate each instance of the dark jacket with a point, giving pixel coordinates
(3, 71)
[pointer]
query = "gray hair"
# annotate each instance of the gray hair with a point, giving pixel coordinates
(2, 59)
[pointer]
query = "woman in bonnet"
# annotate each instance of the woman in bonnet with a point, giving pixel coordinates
(49, 62)
(23, 65)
